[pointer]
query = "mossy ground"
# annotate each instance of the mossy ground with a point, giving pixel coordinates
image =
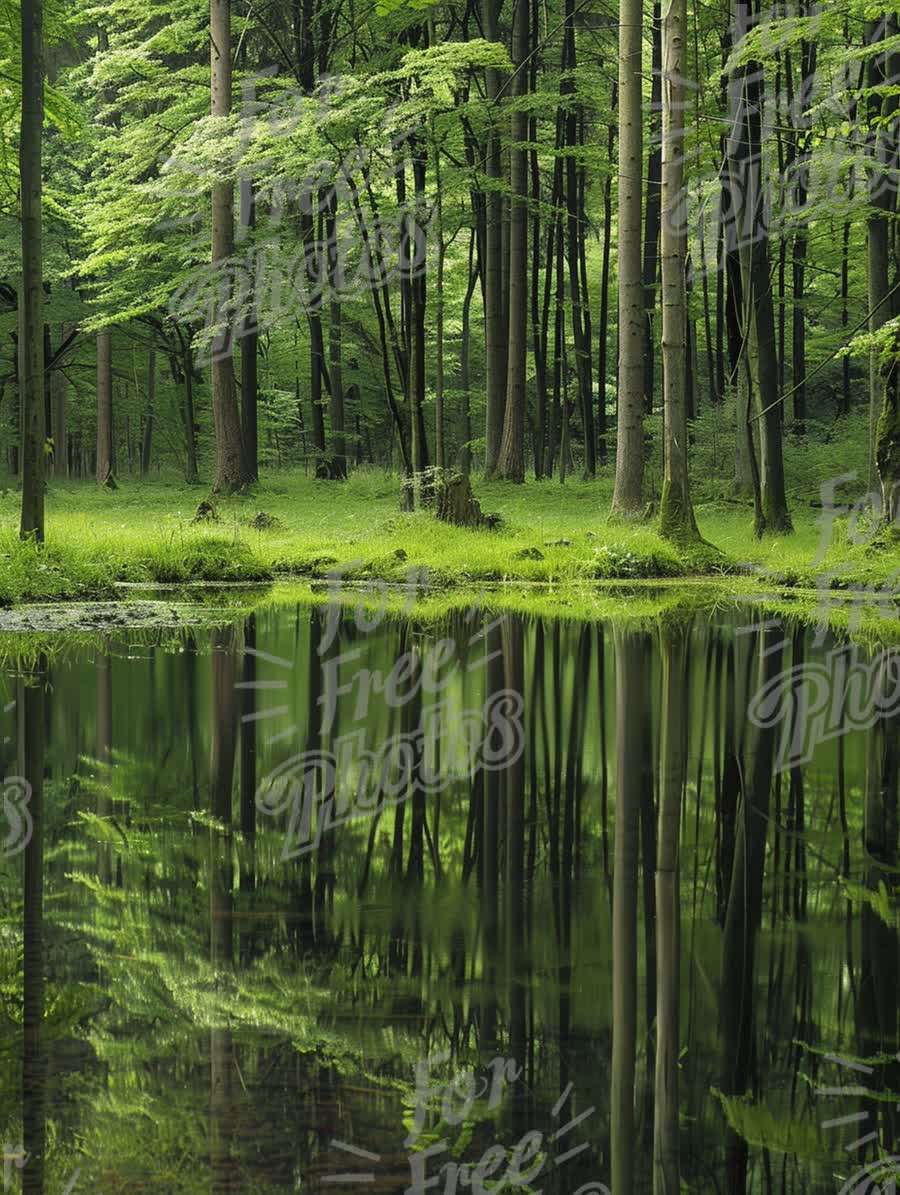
(143, 532)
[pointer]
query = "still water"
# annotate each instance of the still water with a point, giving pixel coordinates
(326, 901)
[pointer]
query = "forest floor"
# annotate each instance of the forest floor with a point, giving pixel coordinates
(143, 533)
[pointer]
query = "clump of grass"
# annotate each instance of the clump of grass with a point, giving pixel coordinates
(56, 572)
(639, 560)
(198, 558)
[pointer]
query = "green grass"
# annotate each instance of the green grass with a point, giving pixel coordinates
(143, 533)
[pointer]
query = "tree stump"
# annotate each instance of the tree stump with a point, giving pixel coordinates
(456, 503)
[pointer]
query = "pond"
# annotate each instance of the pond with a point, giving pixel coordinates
(330, 898)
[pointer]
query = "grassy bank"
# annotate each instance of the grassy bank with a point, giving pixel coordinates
(549, 533)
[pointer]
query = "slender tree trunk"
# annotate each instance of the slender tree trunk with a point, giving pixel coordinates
(335, 344)
(587, 331)
(749, 227)
(877, 225)
(316, 344)
(249, 353)
(511, 462)
(652, 205)
(60, 391)
(147, 436)
(574, 240)
(492, 275)
(105, 469)
(603, 339)
(553, 269)
(676, 514)
(558, 438)
(418, 296)
(628, 493)
(715, 395)
(440, 451)
(803, 125)
(34, 433)
(231, 472)
(465, 380)
(538, 319)
(192, 473)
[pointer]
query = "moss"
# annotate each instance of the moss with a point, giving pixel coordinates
(676, 515)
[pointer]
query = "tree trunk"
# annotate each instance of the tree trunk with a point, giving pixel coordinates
(587, 331)
(511, 462)
(147, 439)
(574, 241)
(316, 344)
(492, 275)
(803, 126)
(32, 294)
(336, 345)
(844, 404)
(877, 226)
(603, 338)
(628, 493)
(440, 450)
(192, 474)
(676, 512)
(652, 204)
(60, 392)
(748, 226)
(538, 319)
(105, 469)
(249, 354)
(416, 315)
(231, 472)
(465, 380)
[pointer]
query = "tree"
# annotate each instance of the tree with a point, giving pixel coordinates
(32, 295)
(492, 269)
(628, 492)
(249, 351)
(748, 226)
(511, 462)
(881, 196)
(231, 472)
(147, 438)
(676, 512)
(105, 471)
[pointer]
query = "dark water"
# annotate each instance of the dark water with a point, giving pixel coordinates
(310, 894)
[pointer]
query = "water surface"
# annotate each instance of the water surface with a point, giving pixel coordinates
(316, 891)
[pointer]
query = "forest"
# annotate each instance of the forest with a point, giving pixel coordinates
(653, 248)
(449, 609)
